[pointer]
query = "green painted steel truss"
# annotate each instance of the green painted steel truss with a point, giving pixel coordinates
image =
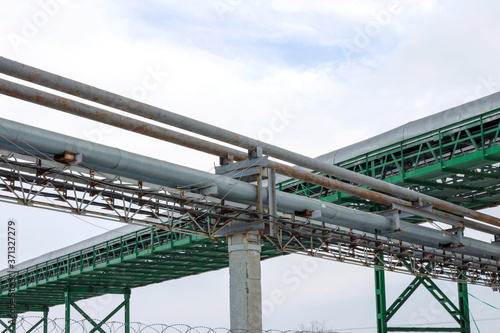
(132, 260)
(460, 314)
(458, 163)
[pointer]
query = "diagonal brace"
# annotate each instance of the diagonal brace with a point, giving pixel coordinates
(8, 328)
(90, 320)
(444, 300)
(405, 295)
(36, 325)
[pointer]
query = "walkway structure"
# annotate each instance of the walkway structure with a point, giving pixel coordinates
(192, 216)
(452, 155)
(114, 263)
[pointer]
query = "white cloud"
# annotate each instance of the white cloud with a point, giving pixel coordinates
(241, 68)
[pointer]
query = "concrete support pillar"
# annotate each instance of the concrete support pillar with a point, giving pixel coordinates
(245, 288)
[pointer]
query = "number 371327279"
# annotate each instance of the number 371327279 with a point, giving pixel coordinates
(11, 243)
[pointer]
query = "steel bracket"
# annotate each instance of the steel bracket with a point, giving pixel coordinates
(427, 212)
(255, 169)
(247, 171)
(239, 228)
(210, 190)
(459, 234)
(69, 158)
(395, 216)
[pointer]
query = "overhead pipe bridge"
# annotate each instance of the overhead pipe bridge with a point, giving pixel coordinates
(190, 213)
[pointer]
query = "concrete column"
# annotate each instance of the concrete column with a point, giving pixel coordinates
(245, 290)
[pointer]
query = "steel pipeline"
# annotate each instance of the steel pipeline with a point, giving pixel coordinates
(21, 138)
(90, 112)
(35, 75)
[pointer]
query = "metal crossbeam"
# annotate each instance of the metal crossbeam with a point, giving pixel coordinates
(365, 249)
(179, 213)
(42, 183)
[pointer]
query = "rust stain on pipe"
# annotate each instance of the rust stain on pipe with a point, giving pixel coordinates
(90, 112)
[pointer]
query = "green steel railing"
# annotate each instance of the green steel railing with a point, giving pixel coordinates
(455, 163)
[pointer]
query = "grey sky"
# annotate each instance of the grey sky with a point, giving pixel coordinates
(310, 76)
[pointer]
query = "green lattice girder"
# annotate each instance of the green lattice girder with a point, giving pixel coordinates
(460, 314)
(136, 259)
(458, 163)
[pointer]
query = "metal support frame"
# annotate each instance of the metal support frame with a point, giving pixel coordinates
(97, 95)
(272, 203)
(427, 212)
(255, 169)
(46, 320)
(244, 241)
(11, 328)
(463, 303)
(384, 314)
(100, 155)
(43, 321)
(96, 326)
(380, 299)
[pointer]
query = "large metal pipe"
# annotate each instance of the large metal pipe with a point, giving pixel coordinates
(35, 75)
(91, 112)
(27, 139)
(64, 104)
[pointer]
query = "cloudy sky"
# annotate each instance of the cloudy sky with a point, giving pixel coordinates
(309, 76)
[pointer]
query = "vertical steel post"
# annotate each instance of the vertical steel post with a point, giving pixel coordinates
(45, 319)
(9, 327)
(4, 325)
(260, 205)
(127, 311)
(463, 303)
(380, 296)
(272, 203)
(67, 310)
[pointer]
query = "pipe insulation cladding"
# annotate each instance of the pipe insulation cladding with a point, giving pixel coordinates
(75, 88)
(137, 126)
(24, 139)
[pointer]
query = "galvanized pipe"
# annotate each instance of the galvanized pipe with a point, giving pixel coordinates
(373, 196)
(64, 104)
(22, 138)
(91, 112)
(97, 95)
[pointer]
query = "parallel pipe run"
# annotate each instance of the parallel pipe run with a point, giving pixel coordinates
(90, 112)
(21, 138)
(374, 196)
(35, 75)
(64, 104)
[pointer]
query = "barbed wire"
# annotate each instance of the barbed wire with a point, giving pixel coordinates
(57, 325)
